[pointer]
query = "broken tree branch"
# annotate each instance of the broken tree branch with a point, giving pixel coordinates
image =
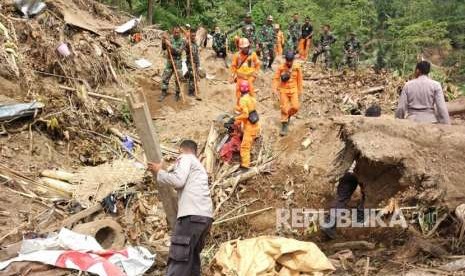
(354, 245)
(242, 215)
(96, 95)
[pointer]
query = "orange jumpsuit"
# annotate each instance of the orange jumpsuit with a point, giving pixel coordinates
(279, 43)
(250, 131)
(304, 49)
(289, 91)
(247, 71)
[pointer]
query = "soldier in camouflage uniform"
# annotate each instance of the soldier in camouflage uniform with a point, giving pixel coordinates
(295, 29)
(219, 43)
(324, 47)
(351, 51)
(248, 29)
(176, 46)
(267, 40)
(196, 58)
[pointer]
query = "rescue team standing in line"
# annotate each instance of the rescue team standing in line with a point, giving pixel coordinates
(422, 100)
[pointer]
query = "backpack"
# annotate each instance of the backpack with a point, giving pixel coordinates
(253, 117)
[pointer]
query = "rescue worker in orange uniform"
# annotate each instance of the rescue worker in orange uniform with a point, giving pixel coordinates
(305, 42)
(245, 66)
(288, 86)
(279, 40)
(247, 120)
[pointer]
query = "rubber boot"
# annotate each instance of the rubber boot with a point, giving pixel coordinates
(177, 97)
(191, 94)
(163, 95)
(284, 129)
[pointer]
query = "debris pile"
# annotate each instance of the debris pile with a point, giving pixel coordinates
(348, 92)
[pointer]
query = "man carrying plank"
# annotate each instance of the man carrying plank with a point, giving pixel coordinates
(195, 209)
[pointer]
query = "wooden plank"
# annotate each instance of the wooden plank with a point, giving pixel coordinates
(373, 90)
(151, 145)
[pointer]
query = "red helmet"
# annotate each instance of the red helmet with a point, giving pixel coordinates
(244, 86)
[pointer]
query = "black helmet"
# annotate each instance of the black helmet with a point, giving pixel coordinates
(290, 56)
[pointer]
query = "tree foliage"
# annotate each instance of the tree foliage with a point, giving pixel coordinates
(395, 32)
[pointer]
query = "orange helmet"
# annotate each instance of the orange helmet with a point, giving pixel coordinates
(244, 42)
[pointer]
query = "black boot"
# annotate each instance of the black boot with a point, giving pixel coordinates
(177, 97)
(163, 96)
(329, 232)
(191, 94)
(284, 129)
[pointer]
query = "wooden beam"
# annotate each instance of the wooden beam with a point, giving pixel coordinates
(373, 90)
(147, 134)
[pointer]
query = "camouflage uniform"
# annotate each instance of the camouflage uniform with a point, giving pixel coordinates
(219, 44)
(178, 46)
(267, 40)
(351, 51)
(324, 47)
(248, 31)
(294, 33)
(190, 72)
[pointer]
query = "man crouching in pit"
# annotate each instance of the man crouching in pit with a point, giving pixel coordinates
(195, 210)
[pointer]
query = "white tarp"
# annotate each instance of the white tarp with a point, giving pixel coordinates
(76, 251)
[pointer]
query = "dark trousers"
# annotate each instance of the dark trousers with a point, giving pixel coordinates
(187, 242)
(344, 193)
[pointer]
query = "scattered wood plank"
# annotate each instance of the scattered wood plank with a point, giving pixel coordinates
(373, 90)
(59, 185)
(92, 94)
(235, 180)
(58, 174)
(68, 222)
(354, 245)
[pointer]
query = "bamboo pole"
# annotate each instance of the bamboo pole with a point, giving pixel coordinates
(242, 215)
(176, 74)
(194, 71)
